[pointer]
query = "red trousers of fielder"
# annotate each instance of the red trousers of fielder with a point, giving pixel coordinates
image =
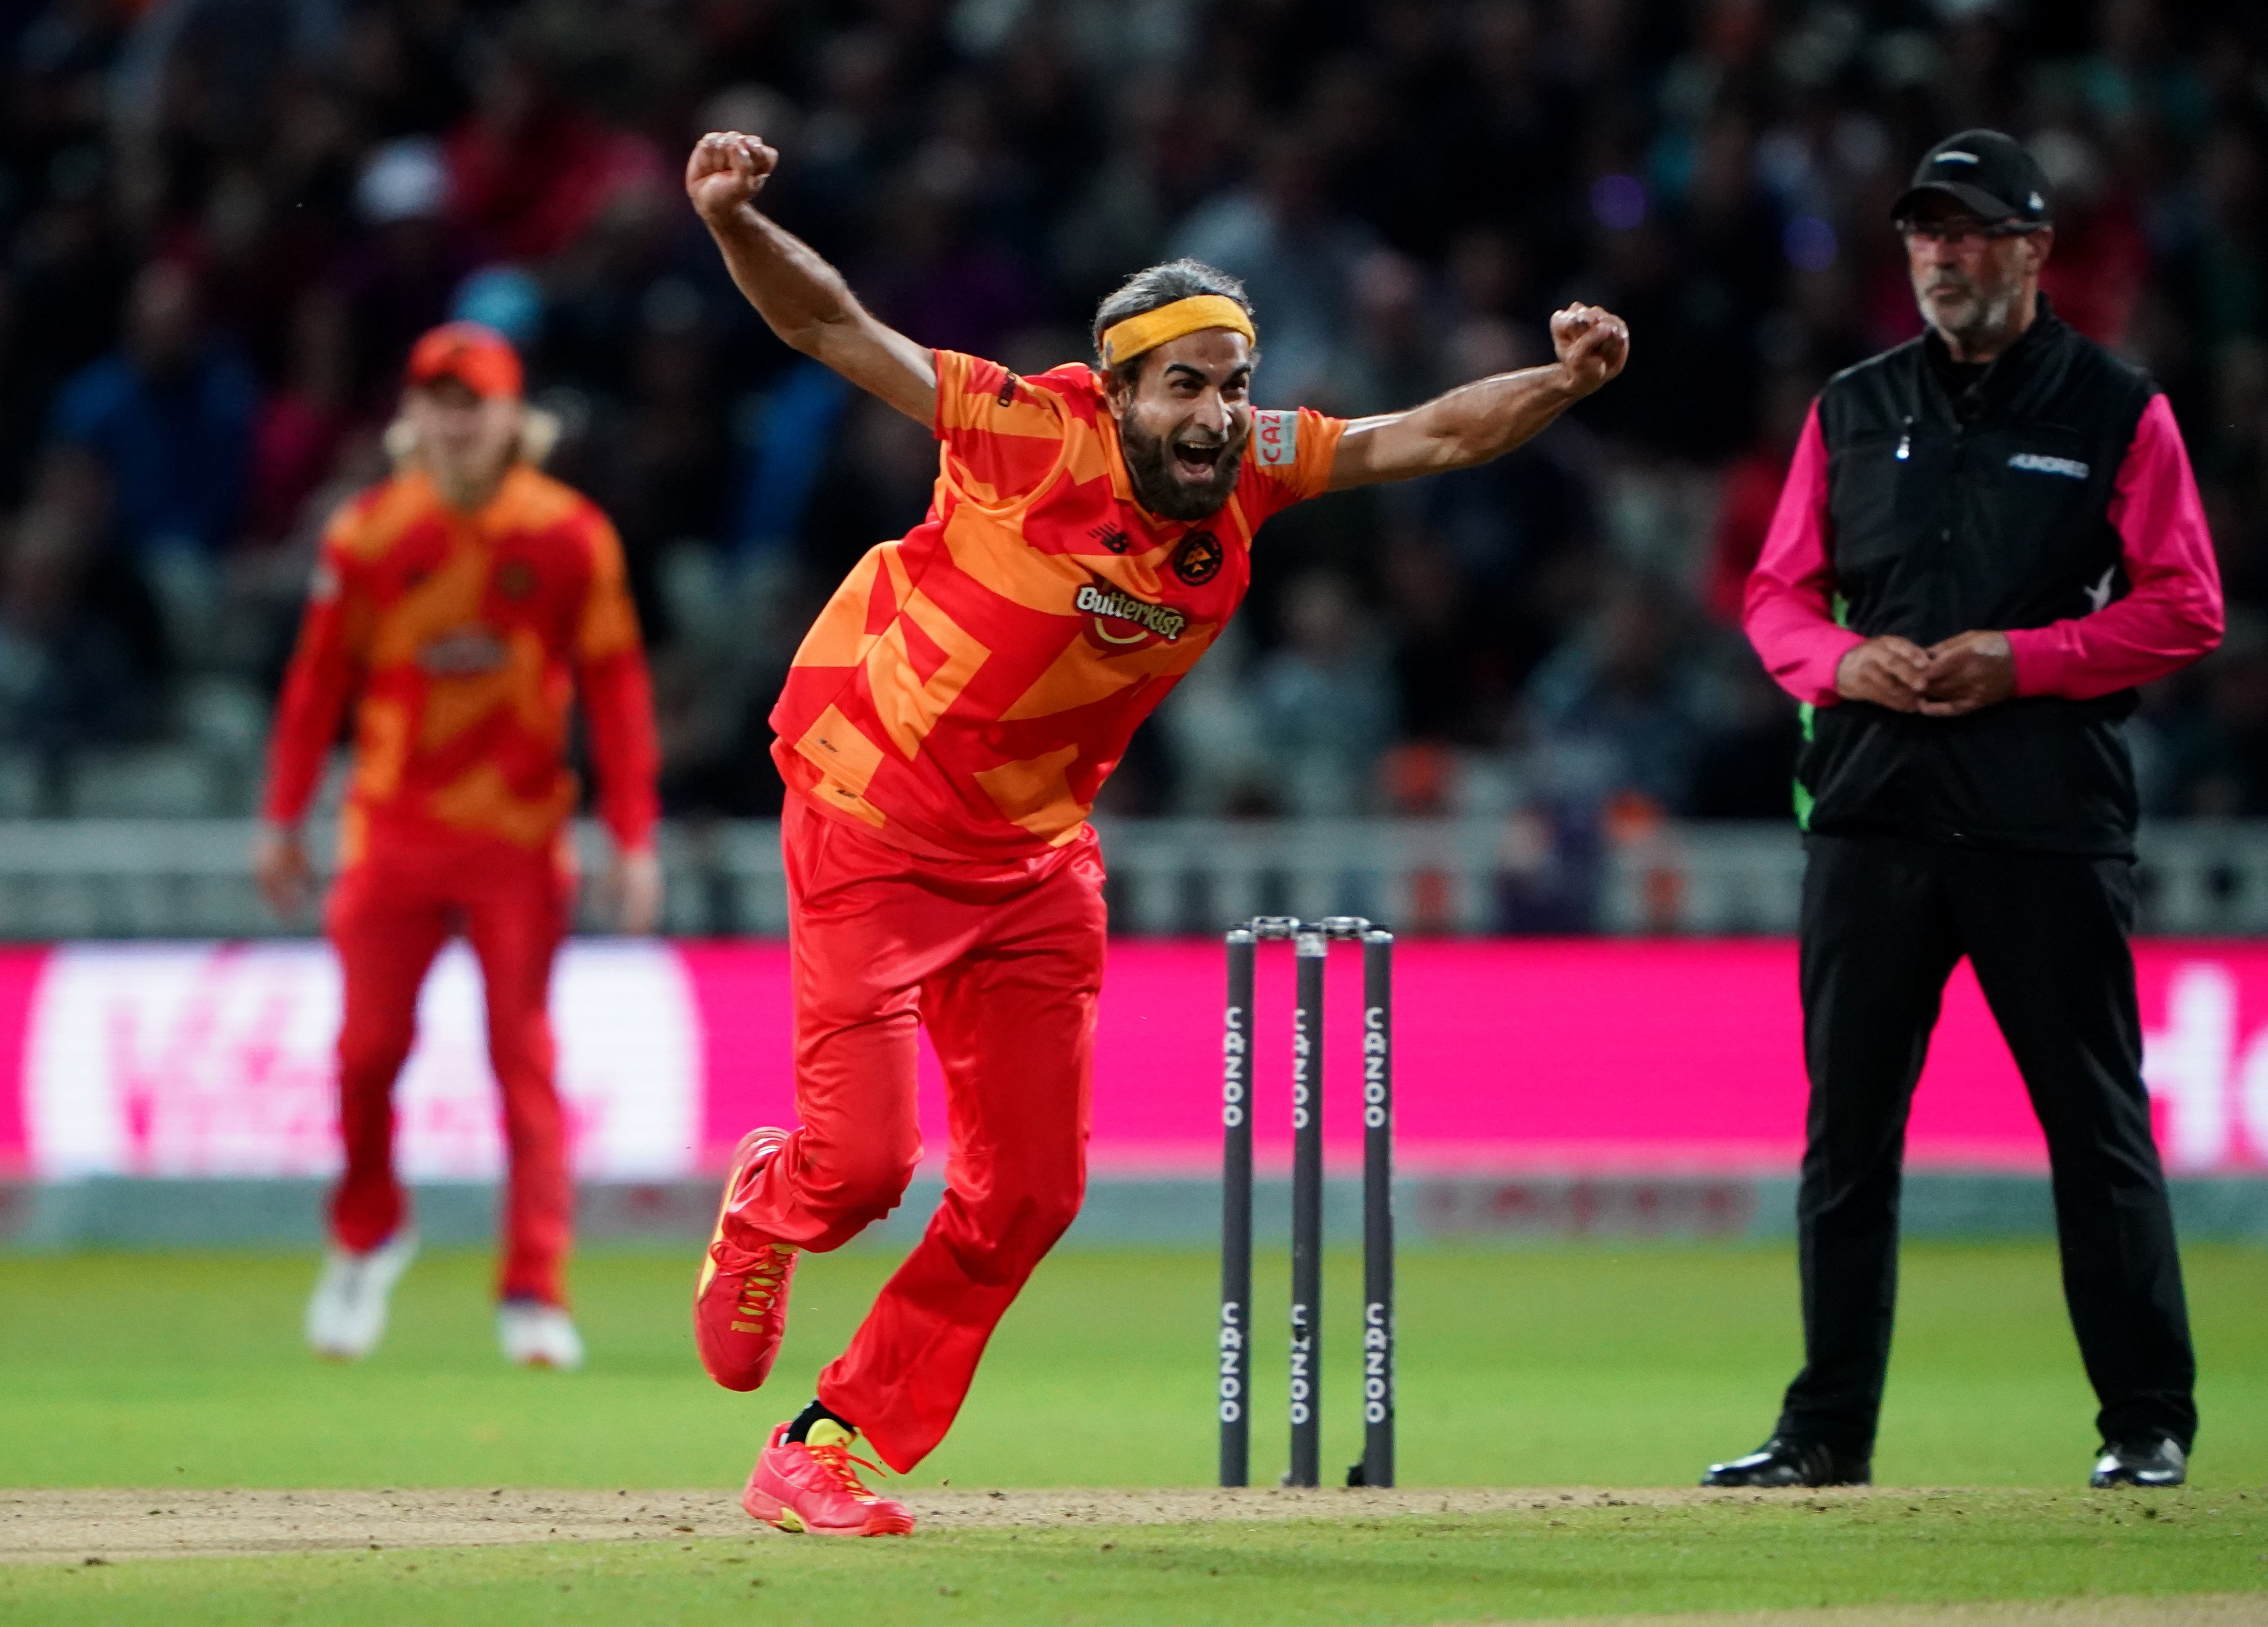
(389, 915)
(1002, 962)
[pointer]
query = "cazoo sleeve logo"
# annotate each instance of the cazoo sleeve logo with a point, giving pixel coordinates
(1275, 438)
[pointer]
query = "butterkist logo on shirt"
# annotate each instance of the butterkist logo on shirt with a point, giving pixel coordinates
(1110, 604)
(463, 653)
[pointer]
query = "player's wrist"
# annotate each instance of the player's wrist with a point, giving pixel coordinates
(1570, 384)
(1850, 668)
(732, 219)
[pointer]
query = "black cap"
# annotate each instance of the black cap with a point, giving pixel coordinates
(1987, 172)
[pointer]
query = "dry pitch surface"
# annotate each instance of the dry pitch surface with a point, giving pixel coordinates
(113, 1523)
(81, 1527)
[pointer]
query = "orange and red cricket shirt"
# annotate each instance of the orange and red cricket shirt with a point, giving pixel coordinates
(969, 688)
(463, 641)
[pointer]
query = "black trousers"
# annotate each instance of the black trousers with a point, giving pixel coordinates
(1884, 922)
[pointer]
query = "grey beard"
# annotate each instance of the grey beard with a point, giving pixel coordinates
(1987, 328)
(1156, 488)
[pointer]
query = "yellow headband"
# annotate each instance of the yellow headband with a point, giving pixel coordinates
(1122, 342)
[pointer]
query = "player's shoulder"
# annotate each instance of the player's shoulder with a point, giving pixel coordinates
(531, 500)
(542, 513)
(1877, 371)
(1866, 396)
(976, 393)
(1069, 381)
(1281, 435)
(2096, 368)
(376, 518)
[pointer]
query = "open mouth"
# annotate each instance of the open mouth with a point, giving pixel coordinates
(1195, 462)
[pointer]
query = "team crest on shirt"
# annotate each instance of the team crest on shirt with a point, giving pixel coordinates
(515, 579)
(1198, 560)
(1114, 608)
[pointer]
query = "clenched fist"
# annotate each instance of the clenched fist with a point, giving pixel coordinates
(726, 171)
(1592, 343)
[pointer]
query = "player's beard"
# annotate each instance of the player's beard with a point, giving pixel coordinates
(1983, 315)
(1149, 466)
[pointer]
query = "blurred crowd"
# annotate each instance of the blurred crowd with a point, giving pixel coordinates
(224, 220)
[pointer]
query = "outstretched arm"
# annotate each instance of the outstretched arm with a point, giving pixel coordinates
(803, 298)
(1485, 419)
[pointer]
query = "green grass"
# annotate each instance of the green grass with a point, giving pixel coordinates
(1922, 1549)
(1590, 1365)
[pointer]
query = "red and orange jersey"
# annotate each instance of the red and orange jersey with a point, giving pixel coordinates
(462, 640)
(968, 689)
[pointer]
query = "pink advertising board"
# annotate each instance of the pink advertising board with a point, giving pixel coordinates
(1581, 1055)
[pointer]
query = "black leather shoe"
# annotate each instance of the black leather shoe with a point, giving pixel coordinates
(1780, 1462)
(2159, 1463)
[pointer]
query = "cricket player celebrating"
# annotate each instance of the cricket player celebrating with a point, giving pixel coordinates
(943, 732)
(461, 608)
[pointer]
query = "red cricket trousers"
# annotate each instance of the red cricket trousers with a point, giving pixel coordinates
(1002, 962)
(389, 915)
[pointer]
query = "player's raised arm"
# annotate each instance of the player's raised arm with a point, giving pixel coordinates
(1485, 419)
(803, 298)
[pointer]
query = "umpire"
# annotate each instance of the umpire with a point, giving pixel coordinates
(1989, 536)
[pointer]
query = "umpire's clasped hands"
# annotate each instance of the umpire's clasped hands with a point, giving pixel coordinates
(1950, 679)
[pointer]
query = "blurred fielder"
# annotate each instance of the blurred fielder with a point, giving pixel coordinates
(460, 608)
(944, 731)
(1989, 536)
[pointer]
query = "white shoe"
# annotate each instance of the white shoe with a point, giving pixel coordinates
(346, 1316)
(536, 1335)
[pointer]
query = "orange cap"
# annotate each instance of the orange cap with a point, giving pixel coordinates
(476, 356)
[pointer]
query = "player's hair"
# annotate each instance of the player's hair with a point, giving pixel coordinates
(1160, 286)
(540, 433)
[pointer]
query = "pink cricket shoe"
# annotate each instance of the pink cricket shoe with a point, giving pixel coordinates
(739, 1304)
(813, 1485)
